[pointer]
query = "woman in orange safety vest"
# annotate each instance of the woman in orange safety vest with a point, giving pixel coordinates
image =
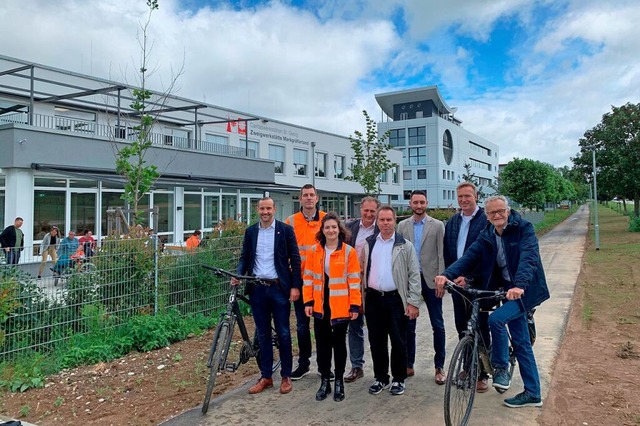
(331, 293)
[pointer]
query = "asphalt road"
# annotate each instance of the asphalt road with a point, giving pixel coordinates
(422, 404)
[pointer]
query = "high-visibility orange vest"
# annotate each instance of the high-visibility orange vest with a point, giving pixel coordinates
(344, 282)
(305, 232)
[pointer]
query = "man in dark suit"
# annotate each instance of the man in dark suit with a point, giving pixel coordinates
(270, 251)
(12, 241)
(461, 231)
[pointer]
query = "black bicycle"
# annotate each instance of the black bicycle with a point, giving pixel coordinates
(464, 367)
(222, 338)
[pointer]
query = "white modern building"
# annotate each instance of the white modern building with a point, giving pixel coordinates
(434, 145)
(60, 130)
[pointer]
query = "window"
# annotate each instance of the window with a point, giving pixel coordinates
(383, 177)
(396, 137)
(192, 212)
(480, 149)
(447, 146)
(48, 210)
(479, 164)
(299, 162)
(444, 194)
(417, 136)
(83, 211)
(222, 140)
(338, 167)
(422, 173)
(74, 120)
(164, 202)
(394, 174)
(406, 174)
(418, 156)
(276, 153)
(254, 149)
(444, 174)
(321, 164)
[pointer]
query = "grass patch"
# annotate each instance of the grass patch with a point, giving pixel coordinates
(552, 219)
(587, 312)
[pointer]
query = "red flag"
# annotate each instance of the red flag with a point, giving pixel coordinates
(242, 127)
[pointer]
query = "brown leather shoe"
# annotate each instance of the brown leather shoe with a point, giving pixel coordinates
(355, 374)
(261, 385)
(482, 386)
(285, 385)
(410, 372)
(441, 376)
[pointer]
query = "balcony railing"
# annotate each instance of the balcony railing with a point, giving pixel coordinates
(123, 133)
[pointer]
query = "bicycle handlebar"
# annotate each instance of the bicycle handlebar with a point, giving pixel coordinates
(450, 286)
(248, 278)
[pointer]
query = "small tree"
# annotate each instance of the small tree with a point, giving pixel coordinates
(130, 159)
(370, 156)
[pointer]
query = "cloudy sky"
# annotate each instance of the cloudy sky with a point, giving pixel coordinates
(529, 75)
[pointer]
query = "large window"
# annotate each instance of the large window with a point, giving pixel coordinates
(254, 149)
(394, 174)
(396, 137)
(383, 177)
(48, 210)
(300, 160)
(83, 212)
(211, 210)
(192, 212)
(219, 139)
(276, 153)
(480, 164)
(418, 156)
(321, 164)
(338, 167)
(110, 200)
(164, 202)
(417, 136)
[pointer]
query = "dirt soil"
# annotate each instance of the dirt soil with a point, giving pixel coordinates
(139, 389)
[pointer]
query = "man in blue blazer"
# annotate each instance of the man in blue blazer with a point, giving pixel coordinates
(270, 251)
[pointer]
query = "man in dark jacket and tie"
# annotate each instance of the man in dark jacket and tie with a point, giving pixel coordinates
(270, 251)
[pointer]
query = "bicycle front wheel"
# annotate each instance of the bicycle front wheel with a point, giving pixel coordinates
(216, 357)
(460, 389)
(276, 349)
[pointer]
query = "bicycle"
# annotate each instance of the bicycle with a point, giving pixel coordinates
(460, 387)
(220, 348)
(63, 273)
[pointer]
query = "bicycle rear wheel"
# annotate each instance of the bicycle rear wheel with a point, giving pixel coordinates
(276, 349)
(460, 388)
(216, 358)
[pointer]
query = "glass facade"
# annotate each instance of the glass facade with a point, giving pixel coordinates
(83, 212)
(192, 211)
(299, 162)
(396, 137)
(417, 136)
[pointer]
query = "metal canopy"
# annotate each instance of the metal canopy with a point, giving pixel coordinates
(24, 83)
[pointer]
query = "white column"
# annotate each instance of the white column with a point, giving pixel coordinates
(19, 200)
(178, 204)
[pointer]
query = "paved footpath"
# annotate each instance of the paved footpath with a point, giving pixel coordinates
(562, 251)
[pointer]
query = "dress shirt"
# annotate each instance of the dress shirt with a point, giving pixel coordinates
(381, 273)
(501, 259)
(265, 266)
(363, 233)
(464, 231)
(418, 227)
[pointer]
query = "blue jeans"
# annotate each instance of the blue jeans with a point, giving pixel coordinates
(356, 342)
(12, 256)
(434, 306)
(513, 314)
(271, 302)
(303, 331)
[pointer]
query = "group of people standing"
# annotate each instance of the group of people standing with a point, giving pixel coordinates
(372, 270)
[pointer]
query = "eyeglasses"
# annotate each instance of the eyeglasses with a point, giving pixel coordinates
(497, 212)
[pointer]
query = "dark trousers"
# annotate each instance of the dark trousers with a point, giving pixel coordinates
(386, 320)
(462, 314)
(330, 338)
(303, 332)
(434, 307)
(271, 302)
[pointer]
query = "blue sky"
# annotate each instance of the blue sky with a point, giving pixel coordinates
(529, 75)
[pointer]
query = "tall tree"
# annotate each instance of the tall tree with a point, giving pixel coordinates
(616, 142)
(370, 156)
(526, 181)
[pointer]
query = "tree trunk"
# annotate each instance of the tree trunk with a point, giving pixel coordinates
(636, 205)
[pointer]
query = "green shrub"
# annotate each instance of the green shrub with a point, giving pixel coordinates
(22, 375)
(634, 224)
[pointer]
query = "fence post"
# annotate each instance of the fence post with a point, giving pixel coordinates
(155, 271)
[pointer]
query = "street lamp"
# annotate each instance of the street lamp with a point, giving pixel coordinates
(595, 196)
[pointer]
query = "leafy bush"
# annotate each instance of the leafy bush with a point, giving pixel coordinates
(634, 224)
(23, 375)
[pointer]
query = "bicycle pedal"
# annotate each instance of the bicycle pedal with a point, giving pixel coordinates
(231, 367)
